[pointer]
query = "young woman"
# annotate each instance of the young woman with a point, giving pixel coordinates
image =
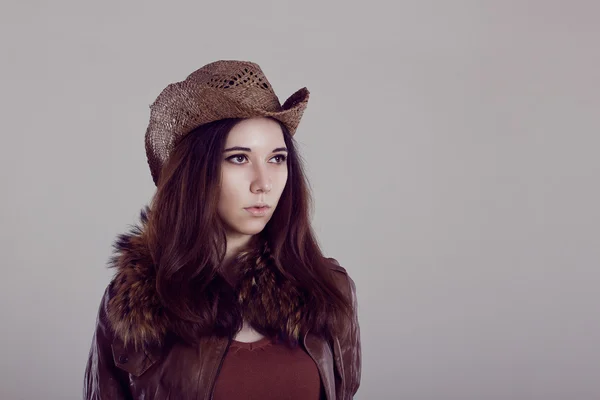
(221, 291)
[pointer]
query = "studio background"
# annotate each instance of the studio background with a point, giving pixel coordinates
(452, 149)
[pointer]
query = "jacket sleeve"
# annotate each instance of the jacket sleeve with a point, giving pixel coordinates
(103, 380)
(351, 346)
(347, 350)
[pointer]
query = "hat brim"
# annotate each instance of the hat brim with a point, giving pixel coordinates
(180, 108)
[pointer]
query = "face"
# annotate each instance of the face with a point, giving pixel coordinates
(253, 173)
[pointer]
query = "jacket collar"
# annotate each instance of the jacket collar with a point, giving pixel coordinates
(268, 300)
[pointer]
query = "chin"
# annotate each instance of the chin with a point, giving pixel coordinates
(250, 229)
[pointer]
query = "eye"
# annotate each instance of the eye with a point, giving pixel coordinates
(280, 158)
(237, 158)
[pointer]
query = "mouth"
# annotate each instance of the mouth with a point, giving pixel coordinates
(258, 210)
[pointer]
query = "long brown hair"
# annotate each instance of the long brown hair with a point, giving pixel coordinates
(187, 240)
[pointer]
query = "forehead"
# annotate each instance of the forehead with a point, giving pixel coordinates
(257, 132)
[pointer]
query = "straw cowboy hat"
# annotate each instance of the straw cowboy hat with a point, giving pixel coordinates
(221, 89)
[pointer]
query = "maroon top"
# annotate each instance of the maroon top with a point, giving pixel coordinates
(267, 370)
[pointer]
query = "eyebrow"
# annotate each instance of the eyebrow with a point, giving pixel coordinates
(249, 150)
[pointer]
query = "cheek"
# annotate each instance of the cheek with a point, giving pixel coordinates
(229, 196)
(230, 192)
(281, 180)
(228, 206)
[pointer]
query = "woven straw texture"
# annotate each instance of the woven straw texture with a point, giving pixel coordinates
(221, 89)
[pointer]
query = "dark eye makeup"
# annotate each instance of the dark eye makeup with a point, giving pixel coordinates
(236, 157)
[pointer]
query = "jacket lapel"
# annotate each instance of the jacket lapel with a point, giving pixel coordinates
(320, 352)
(211, 352)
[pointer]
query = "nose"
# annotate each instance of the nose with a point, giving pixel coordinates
(261, 182)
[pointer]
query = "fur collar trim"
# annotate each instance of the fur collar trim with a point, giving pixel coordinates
(268, 300)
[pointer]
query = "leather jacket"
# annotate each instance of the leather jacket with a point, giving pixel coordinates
(178, 371)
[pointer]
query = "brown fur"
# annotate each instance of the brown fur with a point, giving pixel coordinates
(268, 300)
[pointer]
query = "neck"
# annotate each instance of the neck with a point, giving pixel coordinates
(235, 245)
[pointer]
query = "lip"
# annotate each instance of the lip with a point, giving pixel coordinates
(258, 210)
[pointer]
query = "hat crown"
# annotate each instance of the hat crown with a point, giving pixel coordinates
(241, 78)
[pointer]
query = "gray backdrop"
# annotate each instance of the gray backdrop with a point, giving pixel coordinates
(452, 149)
